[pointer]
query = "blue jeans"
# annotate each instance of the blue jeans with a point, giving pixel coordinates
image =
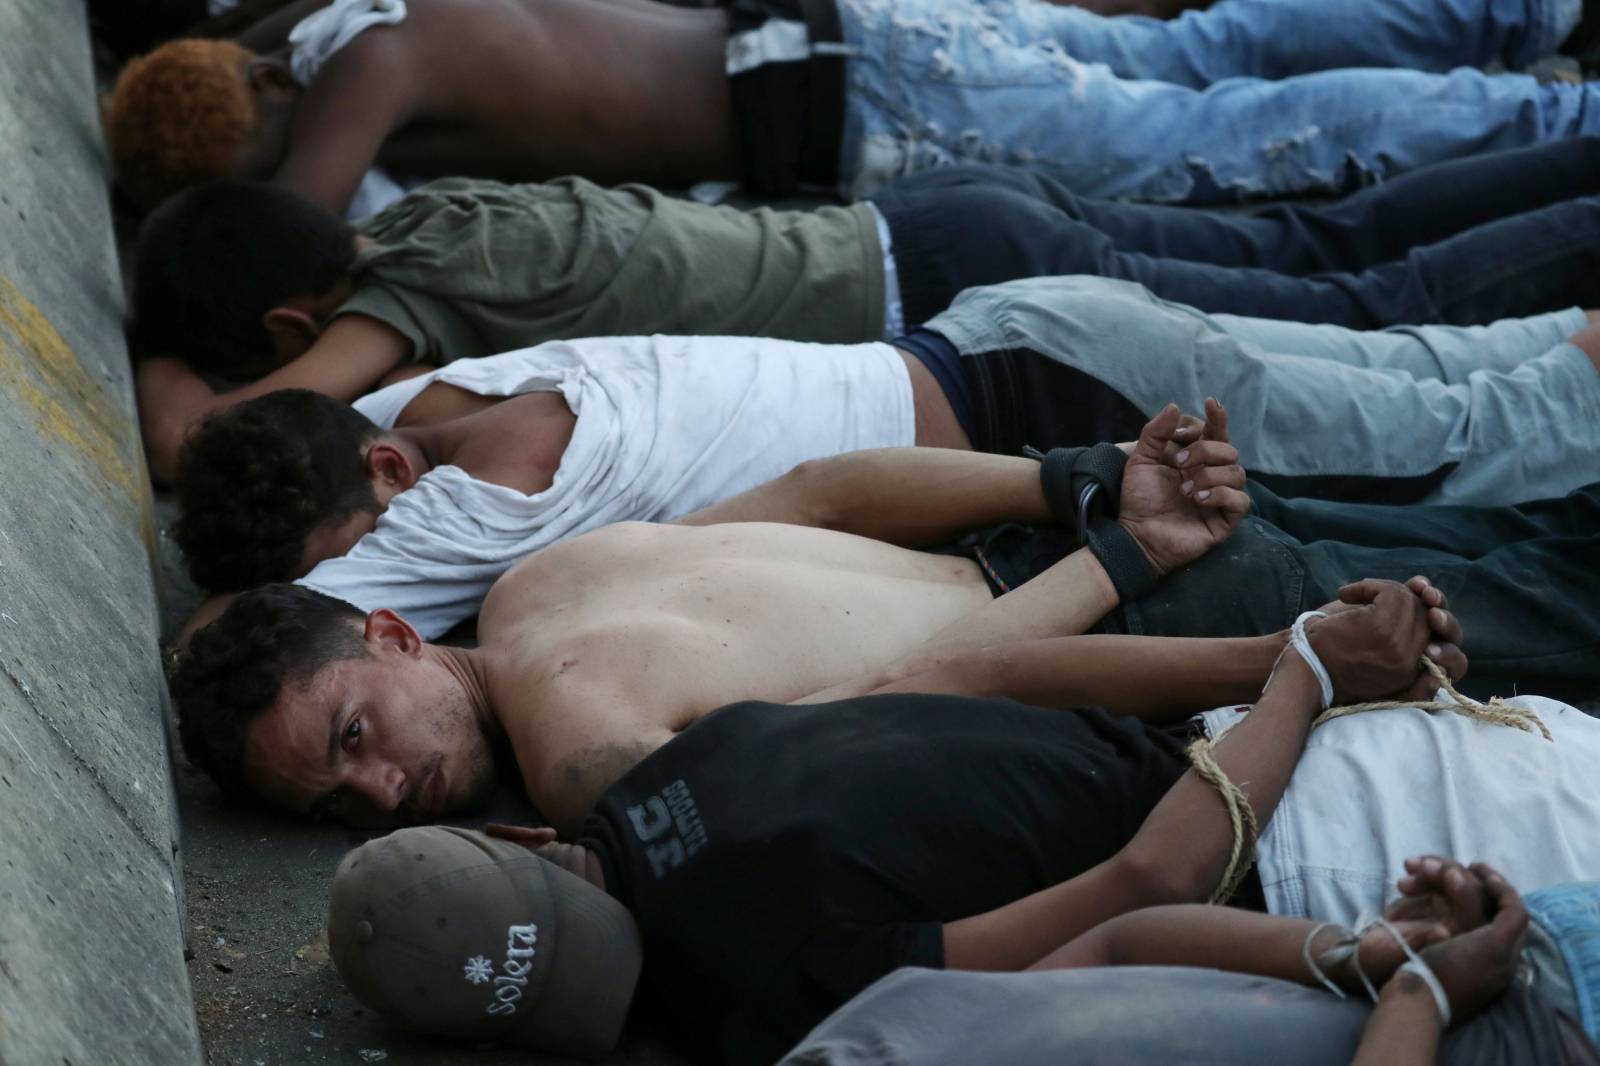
(1493, 414)
(1519, 578)
(931, 83)
(1562, 959)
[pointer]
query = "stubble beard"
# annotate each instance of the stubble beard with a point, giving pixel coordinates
(456, 726)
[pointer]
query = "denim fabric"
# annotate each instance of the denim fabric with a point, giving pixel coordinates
(1563, 954)
(1521, 580)
(1487, 415)
(1282, 38)
(933, 83)
(962, 226)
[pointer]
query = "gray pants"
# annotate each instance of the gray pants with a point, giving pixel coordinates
(1497, 414)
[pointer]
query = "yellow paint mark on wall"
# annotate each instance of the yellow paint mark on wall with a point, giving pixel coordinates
(39, 368)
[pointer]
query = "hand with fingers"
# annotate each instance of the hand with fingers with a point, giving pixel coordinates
(1439, 899)
(1488, 926)
(1183, 487)
(541, 840)
(1374, 636)
(529, 836)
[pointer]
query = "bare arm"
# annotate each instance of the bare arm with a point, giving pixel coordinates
(1467, 925)
(1180, 852)
(1178, 855)
(1154, 678)
(914, 496)
(1404, 1027)
(1239, 941)
(907, 496)
(1180, 496)
(350, 357)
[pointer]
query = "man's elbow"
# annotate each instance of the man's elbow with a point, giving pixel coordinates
(811, 495)
(163, 441)
(1146, 876)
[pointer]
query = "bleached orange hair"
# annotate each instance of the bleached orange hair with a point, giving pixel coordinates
(178, 115)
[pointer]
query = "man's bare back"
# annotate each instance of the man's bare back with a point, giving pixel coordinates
(520, 90)
(603, 647)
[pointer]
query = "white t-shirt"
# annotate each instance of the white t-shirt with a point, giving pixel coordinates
(665, 426)
(1375, 789)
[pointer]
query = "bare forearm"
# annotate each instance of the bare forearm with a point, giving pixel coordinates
(1154, 678)
(352, 355)
(1177, 856)
(1065, 600)
(171, 397)
(1404, 1027)
(1220, 938)
(1189, 834)
(909, 496)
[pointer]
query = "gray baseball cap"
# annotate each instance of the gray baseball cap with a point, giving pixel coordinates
(455, 933)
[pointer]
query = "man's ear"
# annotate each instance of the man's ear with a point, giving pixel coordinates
(271, 77)
(390, 468)
(389, 630)
(291, 331)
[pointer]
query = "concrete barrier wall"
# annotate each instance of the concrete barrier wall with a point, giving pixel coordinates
(91, 953)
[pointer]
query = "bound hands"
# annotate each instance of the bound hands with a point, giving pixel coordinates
(1466, 922)
(1376, 634)
(1183, 487)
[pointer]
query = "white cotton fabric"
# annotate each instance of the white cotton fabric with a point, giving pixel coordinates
(1375, 789)
(312, 42)
(894, 316)
(665, 426)
(319, 35)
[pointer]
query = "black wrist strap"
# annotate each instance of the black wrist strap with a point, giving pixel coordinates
(1130, 570)
(1080, 484)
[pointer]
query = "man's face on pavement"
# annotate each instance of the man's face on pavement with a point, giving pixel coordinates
(381, 740)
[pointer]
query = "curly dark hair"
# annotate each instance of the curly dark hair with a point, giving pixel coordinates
(235, 668)
(213, 260)
(256, 479)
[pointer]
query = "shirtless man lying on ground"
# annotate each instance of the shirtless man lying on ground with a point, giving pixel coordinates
(596, 651)
(830, 93)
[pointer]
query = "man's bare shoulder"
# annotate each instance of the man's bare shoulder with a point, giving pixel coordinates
(575, 726)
